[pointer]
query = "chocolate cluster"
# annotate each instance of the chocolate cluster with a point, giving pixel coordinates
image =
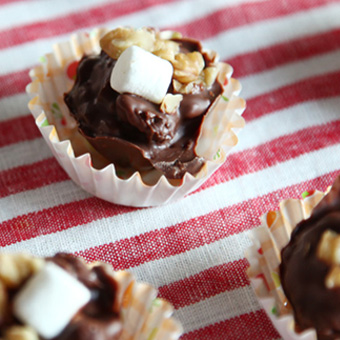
(131, 131)
(310, 269)
(97, 319)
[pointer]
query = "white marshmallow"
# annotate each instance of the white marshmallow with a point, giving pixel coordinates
(49, 300)
(142, 73)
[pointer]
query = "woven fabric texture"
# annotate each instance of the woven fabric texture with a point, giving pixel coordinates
(285, 53)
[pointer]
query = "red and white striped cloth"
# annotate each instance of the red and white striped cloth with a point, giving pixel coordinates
(286, 53)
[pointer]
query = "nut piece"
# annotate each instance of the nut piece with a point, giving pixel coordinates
(171, 102)
(21, 333)
(210, 74)
(187, 67)
(3, 301)
(329, 248)
(333, 278)
(118, 40)
(166, 49)
(329, 251)
(15, 268)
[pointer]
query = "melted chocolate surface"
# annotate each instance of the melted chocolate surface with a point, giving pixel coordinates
(303, 273)
(132, 132)
(98, 319)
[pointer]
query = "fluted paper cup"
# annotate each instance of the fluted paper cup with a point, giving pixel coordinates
(264, 257)
(143, 315)
(55, 76)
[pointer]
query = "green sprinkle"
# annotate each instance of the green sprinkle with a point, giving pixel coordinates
(305, 194)
(45, 122)
(218, 154)
(156, 302)
(274, 310)
(56, 106)
(225, 98)
(153, 334)
(42, 59)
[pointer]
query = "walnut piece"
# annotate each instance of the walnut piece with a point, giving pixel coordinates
(115, 42)
(187, 67)
(21, 333)
(329, 251)
(15, 268)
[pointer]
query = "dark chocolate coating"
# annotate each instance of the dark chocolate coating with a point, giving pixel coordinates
(132, 132)
(98, 319)
(303, 273)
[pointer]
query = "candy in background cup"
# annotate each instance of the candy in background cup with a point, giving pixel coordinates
(87, 168)
(264, 257)
(143, 315)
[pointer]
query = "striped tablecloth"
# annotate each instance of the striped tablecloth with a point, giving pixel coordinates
(286, 55)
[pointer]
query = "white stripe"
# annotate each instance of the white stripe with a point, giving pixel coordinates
(229, 43)
(158, 15)
(39, 199)
(14, 106)
(143, 220)
(178, 267)
(271, 80)
(295, 118)
(264, 33)
(16, 13)
(24, 153)
(218, 308)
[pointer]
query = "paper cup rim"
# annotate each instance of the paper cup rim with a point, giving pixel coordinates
(155, 316)
(285, 324)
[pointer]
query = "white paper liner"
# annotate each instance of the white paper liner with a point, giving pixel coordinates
(264, 257)
(53, 78)
(143, 315)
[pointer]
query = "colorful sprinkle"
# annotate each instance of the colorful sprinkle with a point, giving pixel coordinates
(153, 334)
(274, 310)
(45, 122)
(71, 70)
(271, 217)
(43, 59)
(225, 98)
(307, 193)
(217, 155)
(276, 279)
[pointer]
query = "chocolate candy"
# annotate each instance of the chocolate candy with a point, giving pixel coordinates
(131, 131)
(97, 319)
(307, 266)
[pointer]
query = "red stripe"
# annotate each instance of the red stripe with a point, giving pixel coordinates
(227, 18)
(32, 176)
(206, 284)
(13, 83)
(276, 151)
(324, 86)
(189, 235)
(18, 129)
(251, 326)
(245, 14)
(5, 2)
(58, 218)
(284, 53)
(48, 171)
(73, 21)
